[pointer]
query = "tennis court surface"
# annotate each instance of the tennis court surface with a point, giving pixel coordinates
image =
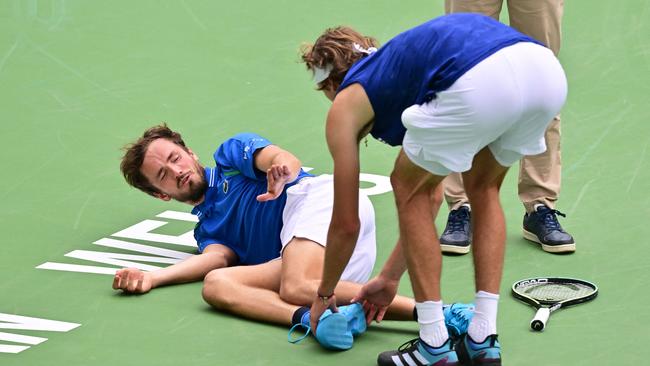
(79, 79)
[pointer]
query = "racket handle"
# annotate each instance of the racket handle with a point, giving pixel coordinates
(540, 319)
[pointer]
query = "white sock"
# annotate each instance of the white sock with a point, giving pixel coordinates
(432, 323)
(484, 322)
(467, 205)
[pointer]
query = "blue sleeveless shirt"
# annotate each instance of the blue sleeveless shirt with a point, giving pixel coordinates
(416, 64)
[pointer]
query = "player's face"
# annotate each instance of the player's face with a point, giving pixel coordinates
(174, 171)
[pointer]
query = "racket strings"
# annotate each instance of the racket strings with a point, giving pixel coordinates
(556, 292)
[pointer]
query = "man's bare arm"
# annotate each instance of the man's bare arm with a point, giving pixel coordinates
(192, 269)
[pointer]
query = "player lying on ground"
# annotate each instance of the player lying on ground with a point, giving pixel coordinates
(261, 233)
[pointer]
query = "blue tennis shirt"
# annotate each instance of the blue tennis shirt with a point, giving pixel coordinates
(416, 64)
(230, 214)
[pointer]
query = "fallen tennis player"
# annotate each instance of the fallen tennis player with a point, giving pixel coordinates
(261, 233)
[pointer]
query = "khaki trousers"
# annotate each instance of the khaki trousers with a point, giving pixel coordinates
(539, 175)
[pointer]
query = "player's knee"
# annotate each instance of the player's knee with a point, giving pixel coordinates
(299, 292)
(436, 199)
(406, 193)
(396, 183)
(401, 189)
(216, 290)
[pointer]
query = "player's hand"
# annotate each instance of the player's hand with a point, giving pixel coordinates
(375, 296)
(132, 280)
(318, 307)
(277, 177)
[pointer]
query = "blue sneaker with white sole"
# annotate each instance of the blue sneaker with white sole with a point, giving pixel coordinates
(543, 227)
(457, 237)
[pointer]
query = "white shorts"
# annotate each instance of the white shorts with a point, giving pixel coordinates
(308, 212)
(505, 102)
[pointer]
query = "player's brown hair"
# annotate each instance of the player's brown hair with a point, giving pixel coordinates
(335, 47)
(134, 156)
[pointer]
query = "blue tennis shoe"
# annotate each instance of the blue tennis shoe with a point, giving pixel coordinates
(356, 318)
(486, 353)
(457, 318)
(335, 331)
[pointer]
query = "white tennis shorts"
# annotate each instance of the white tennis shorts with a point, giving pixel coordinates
(308, 212)
(505, 102)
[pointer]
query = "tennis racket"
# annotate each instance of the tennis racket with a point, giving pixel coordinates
(548, 294)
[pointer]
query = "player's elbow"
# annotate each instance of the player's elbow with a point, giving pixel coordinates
(288, 159)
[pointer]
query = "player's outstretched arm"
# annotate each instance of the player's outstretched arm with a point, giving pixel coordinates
(133, 280)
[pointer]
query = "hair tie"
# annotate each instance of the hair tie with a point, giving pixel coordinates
(367, 51)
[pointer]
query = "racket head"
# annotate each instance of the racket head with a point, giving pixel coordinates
(540, 291)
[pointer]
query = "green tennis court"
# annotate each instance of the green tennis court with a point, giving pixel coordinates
(79, 79)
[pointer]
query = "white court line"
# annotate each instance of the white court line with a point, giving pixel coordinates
(7, 55)
(638, 167)
(193, 16)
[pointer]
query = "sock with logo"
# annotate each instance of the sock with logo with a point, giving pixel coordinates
(484, 322)
(432, 323)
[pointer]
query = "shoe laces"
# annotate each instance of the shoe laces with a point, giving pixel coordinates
(457, 220)
(550, 218)
(306, 328)
(408, 345)
(459, 319)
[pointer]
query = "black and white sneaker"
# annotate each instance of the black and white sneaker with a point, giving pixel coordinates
(417, 353)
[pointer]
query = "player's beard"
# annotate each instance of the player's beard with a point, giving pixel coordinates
(196, 190)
